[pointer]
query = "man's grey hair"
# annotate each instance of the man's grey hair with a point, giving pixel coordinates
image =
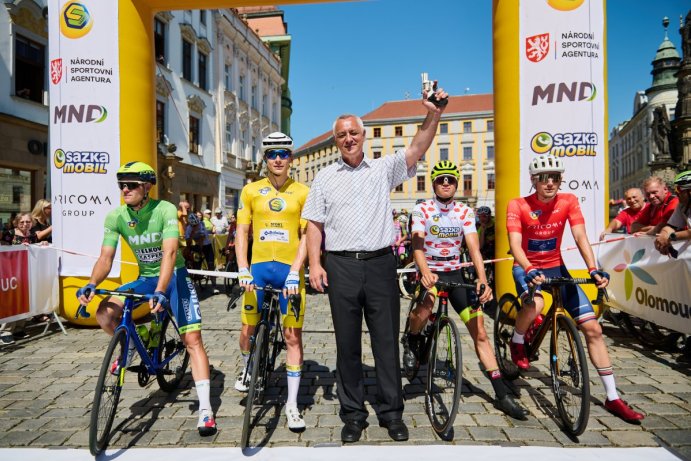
(345, 116)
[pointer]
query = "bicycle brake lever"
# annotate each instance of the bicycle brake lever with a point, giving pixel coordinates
(531, 294)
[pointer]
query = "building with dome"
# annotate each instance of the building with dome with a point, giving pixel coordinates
(632, 144)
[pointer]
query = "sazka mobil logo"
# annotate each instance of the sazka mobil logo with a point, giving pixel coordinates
(81, 162)
(75, 20)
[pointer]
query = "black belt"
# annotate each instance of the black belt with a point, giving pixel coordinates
(362, 254)
(443, 258)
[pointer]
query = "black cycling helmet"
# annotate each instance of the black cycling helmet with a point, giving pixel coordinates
(137, 170)
(484, 210)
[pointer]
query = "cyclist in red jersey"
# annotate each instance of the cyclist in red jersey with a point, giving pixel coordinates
(535, 226)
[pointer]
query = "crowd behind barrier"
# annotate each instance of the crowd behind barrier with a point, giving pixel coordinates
(647, 284)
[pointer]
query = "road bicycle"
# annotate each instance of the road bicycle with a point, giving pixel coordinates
(568, 363)
(441, 352)
(163, 355)
(266, 344)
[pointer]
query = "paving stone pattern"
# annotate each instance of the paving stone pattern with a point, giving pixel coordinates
(47, 385)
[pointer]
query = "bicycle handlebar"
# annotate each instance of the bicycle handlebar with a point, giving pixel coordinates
(560, 281)
(293, 299)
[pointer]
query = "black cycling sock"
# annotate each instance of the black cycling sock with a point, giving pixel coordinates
(497, 380)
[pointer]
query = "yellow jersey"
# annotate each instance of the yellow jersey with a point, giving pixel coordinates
(275, 218)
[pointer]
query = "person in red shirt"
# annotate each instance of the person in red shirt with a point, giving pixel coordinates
(535, 226)
(660, 208)
(635, 206)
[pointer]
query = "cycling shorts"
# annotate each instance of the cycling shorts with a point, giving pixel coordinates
(458, 297)
(574, 298)
(184, 302)
(271, 273)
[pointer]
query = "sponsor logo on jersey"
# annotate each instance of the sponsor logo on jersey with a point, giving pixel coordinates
(274, 235)
(277, 204)
(445, 231)
(535, 214)
(144, 239)
(264, 190)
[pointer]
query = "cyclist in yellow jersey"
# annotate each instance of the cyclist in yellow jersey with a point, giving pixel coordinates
(272, 207)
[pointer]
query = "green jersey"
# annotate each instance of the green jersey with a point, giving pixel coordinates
(144, 231)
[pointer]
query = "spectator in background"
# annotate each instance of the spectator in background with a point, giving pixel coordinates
(22, 232)
(485, 232)
(635, 207)
(42, 226)
(196, 233)
(208, 225)
(661, 205)
(679, 225)
(219, 222)
(183, 212)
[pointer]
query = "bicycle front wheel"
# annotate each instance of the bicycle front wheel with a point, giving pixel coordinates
(444, 376)
(173, 350)
(569, 370)
(406, 281)
(107, 394)
(255, 392)
(504, 323)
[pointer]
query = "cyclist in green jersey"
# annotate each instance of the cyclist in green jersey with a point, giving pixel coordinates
(150, 228)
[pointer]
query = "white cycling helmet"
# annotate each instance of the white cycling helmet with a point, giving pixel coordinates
(277, 140)
(545, 163)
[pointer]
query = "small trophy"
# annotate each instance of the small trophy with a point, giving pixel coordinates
(430, 86)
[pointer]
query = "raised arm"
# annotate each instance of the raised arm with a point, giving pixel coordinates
(425, 135)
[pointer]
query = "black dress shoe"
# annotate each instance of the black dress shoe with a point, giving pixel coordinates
(397, 429)
(352, 430)
(510, 407)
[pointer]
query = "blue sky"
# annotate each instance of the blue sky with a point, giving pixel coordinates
(354, 56)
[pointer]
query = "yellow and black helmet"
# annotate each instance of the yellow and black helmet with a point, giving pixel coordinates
(444, 167)
(137, 170)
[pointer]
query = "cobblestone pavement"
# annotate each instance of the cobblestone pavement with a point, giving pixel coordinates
(47, 384)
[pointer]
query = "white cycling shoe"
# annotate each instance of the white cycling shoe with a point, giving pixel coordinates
(295, 421)
(242, 385)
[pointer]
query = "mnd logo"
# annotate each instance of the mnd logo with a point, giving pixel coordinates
(630, 270)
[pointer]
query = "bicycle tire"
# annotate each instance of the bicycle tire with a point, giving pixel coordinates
(444, 376)
(409, 372)
(407, 281)
(107, 395)
(258, 359)
(504, 323)
(171, 344)
(569, 371)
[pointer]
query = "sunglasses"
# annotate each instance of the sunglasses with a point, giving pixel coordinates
(441, 180)
(130, 185)
(544, 177)
(273, 153)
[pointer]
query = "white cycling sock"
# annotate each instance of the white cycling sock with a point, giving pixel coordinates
(517, 338)
(203, 387)
(294, 373)
(607, 377)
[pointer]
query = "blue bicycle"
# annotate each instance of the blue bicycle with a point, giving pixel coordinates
(163, 355)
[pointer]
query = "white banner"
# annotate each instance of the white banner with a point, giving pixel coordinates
(647, 284)
(36, 275)
(562, 103)
(84, 126)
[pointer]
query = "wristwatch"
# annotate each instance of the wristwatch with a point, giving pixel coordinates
(673, 236)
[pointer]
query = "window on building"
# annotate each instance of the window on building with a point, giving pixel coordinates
(29, 69)
(160, 120)
(443, 153)
(490, 181)
(242, 87)
(254, 97)
(194, 135)
(376, 154)
(160, 41)
(467, 153)
(467, 184)
(443, 128)
(399, 188)
(420, 183)
(490, 152)
(490, 125)
(398, 131)
(264, 104)
(202, 17)
(186, 60)
(228, 77)
(377, 132)
(201, 69)
(467, 127)
(229, 135)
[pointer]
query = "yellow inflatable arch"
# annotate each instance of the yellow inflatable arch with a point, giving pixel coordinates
(137, 110)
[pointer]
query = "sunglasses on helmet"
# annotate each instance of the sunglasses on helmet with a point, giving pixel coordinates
(130, 185)
(445, 179)
(271, 154)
